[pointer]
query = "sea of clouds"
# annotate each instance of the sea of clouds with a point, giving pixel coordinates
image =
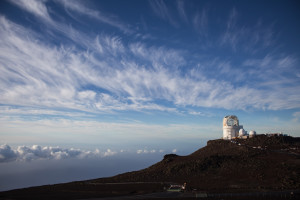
(26, 165)
(32, 165)
(25, 153)
(37, 152)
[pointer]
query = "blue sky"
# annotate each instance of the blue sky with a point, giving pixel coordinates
(115, 72)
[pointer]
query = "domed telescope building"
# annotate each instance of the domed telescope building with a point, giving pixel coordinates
(231, 127)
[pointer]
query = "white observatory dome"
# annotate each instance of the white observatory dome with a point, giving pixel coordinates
(252, 133)
(242, 132)
(231, 127)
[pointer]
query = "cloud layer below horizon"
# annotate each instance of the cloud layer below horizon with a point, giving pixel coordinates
(37, 152)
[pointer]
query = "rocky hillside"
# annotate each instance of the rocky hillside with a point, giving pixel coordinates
(262, 162)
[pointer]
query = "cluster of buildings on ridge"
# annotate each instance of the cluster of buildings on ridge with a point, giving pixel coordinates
(232, 129)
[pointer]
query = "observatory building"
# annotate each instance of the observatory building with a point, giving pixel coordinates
(252, 133)
(231, 127)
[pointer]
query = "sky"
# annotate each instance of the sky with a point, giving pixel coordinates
(96, 79)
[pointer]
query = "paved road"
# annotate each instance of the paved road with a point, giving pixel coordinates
(147, 196)
(179, 195)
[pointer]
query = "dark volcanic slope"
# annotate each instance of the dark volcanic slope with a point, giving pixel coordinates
(255, 163)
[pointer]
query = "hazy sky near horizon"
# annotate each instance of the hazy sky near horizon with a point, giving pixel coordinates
(144, 72)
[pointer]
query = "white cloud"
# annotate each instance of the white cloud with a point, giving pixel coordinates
(200, 22)
(40, 80)
(251, 39)
(139, 151)
(40, 10)
(277, 73)
(35, 152)
(109, 153)
(83, 9)
(296, 116)
(158, 56)
(162, 11)
(232, 35)
(174, 150)
(87, 94)
(146, 151)
(36, 7)
(196, 113)
(181, 10)
(118, 76)
(7, 154)
(19, 111)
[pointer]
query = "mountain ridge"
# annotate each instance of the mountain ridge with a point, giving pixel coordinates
(262, 163)
(239, 163)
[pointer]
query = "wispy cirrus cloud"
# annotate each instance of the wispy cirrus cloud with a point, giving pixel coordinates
(231, 35)
(111, 75)
(40, 80)
(274, 69)
(56, 77)
(79, 7)
(181, 10)
(158, 55)
(249, 38)
(160, 8)
(40, 10)
(37, 8)
(200, 22)
(36, 112)
(278, 74)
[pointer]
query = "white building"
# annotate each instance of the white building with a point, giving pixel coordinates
(252, 133)
(231, 127)
(242, 132)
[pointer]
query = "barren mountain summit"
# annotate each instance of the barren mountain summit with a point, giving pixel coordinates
(265, 161)
(262, 163)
